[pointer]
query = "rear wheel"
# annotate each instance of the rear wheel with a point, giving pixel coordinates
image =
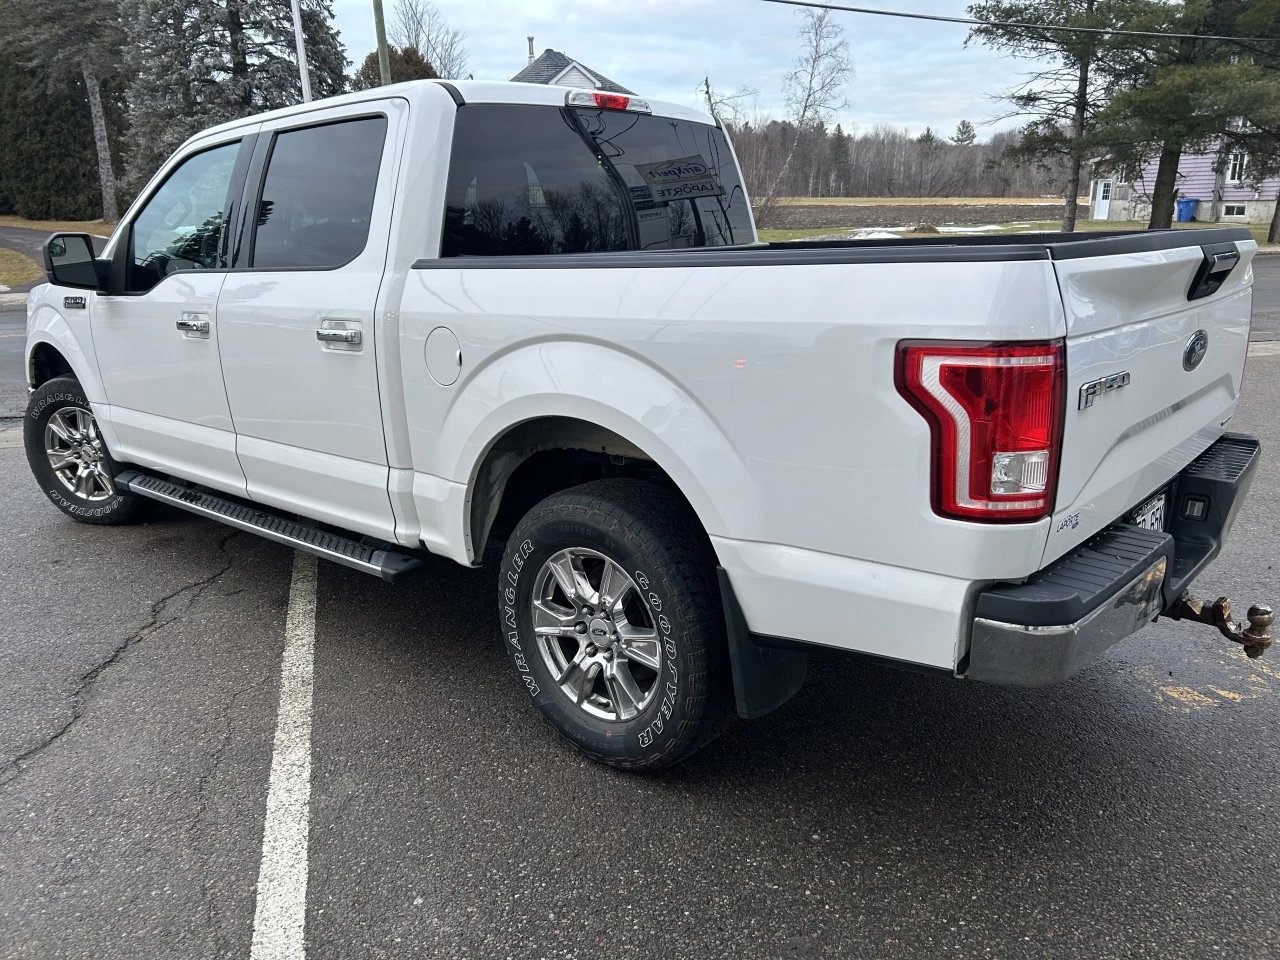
(611, 616)
(68, 457)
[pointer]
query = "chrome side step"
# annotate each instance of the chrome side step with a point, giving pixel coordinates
(390, 565)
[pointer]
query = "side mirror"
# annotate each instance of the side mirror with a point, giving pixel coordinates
(69, 261)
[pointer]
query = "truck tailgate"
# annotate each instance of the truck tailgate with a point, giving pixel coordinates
(1143, 399)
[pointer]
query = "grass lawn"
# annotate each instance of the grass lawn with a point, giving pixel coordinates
(96, 227)
(16, 269)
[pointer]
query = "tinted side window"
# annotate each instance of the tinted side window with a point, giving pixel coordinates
(180, 228)
(317, 197)
(540, 179)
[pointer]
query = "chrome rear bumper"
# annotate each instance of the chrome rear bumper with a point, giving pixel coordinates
(1027, 656)
(1043, 630)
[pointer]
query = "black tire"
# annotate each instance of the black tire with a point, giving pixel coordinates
(652, 535)
(103, 503)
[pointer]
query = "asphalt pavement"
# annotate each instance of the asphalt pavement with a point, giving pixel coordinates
(1125, 813)
(1266, 297)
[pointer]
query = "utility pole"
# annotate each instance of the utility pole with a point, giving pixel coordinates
(384, 61)
(303, 72)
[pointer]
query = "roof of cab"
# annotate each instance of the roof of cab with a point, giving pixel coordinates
(471, 91)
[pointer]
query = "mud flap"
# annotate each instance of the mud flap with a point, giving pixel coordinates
(764, 678)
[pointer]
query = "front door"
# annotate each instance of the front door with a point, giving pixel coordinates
(156, 339)
(1102, 199)
(298, 338)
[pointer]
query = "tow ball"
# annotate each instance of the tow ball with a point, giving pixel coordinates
(1255, 638)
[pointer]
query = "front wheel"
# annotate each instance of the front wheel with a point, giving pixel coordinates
(611, 616)
(67, 456)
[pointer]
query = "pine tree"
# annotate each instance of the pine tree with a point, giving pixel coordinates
(1072, 77)
(77, 37)
(48, 165)
(965, 135)
(1190, 95)
(196, 63)
(840, 164)
(406, 64)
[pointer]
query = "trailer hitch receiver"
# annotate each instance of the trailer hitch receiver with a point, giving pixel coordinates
(1255, 638)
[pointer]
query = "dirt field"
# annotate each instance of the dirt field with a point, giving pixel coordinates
(887, 213)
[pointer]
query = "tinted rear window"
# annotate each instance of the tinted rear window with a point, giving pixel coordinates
(541, 179)
(317, 199)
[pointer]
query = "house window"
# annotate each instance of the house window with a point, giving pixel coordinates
(1233, 210)
(1236, 167)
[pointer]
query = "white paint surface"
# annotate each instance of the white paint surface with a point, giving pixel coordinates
(280, 918)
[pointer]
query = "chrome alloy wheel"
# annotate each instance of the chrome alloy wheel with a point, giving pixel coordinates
(595, 634)
(76, 454)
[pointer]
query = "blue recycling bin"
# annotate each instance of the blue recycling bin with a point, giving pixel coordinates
(1187, 209)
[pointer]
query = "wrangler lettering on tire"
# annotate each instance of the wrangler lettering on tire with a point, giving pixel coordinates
(611, 616)
(69, 458)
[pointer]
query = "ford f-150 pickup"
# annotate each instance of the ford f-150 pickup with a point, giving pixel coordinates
(488, 319)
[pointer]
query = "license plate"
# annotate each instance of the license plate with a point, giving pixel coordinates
(1150, 515)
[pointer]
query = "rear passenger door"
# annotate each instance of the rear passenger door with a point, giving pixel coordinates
(296, 315)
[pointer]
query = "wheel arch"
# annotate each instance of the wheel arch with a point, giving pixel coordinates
(54, 349)
(536, 458)
(45, 362)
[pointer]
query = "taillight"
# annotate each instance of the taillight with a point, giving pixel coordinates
(995, 411)
(606, 101)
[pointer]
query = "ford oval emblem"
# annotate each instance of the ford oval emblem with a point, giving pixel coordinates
(1197, 347)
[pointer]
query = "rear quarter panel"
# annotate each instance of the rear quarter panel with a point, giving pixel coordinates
(769, 388)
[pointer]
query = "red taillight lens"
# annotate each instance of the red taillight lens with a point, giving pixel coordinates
(995, 412)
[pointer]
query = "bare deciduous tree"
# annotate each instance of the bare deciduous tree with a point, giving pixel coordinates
(814, 89)
(418, 24)
(726, 107)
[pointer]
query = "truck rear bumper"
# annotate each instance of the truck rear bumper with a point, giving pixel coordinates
(1044, 630)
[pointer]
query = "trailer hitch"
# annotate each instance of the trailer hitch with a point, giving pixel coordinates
(1255, 638)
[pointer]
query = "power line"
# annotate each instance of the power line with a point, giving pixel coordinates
(1105, 31)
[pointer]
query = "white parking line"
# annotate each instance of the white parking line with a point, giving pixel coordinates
(281, 914)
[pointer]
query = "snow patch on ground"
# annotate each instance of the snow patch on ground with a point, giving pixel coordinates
(988, 228)
(874, 234)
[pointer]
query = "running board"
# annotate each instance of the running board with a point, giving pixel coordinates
(390, 565)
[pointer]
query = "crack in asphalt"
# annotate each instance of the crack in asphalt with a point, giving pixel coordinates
(13, 768)
(212, 917)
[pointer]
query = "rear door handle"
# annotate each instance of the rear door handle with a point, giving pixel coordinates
(194, 325)
(333, 335)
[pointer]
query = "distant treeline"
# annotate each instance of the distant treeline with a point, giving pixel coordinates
(886, 161)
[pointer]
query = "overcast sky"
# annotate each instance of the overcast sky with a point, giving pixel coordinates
(907, 72)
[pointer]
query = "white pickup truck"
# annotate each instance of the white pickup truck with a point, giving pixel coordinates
(460, 318)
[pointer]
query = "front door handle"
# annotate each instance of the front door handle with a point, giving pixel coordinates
(333, 335)
(194, 325)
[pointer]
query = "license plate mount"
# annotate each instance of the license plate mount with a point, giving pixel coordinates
(1151, 514)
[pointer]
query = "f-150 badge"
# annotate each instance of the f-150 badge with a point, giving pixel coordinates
(1096, 388)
